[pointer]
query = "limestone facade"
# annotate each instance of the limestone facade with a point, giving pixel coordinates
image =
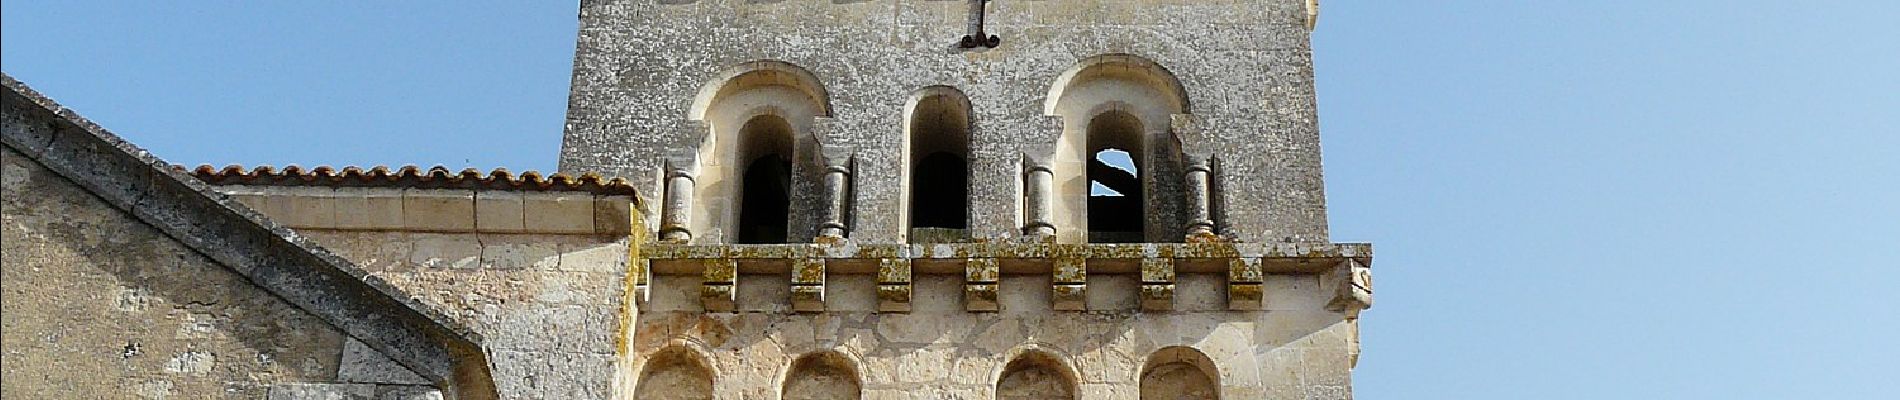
(927, 232)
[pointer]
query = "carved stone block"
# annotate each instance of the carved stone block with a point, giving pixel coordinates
(718, 290)
(1245, 296)
(1069, 297)
(808, 285)
(893, 285)
(1245, 288)
(1157, 297)
(1353, 288)
(893, 270)
(1157, 284)
(1071, 284)
(980, 277)
(981, 270)
(893, 298)
(980, 297)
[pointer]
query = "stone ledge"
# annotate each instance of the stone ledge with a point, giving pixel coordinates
(1275, 258)
(1243, 269)
(440, 210)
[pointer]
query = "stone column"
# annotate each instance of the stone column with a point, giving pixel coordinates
(677, 209)
(837, 184)
(1195, 134)
(1039, 199)
(1200, 223)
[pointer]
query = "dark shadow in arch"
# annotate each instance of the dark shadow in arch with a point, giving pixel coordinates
(938, 137)
(766, 186)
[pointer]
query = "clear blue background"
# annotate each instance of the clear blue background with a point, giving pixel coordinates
(1571, 200)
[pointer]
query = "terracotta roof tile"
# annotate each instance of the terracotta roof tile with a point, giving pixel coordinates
(408, 176)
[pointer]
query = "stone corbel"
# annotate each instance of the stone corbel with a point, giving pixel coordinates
(1353, 288)
(1157, 283)
(1246, 284)
(980, 277)
(893, 285)
(808, 284)
(1070, 281)
(719, 291)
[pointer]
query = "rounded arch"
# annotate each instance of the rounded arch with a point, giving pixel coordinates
(937, 131)
(675, 373)
(1036, 374)
(760, 73)
(1180, 372)
(1122, 67)
(1118, 102)
(758, 150)
(822, 375)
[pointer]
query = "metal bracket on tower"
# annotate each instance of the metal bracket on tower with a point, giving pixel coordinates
(976, 37)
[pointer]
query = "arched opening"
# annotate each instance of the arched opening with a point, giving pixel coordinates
(1179, 373)
(674, 374)
(939, 173)
(1035, 376)
(822, 376)
(1116, 185)
(1118, 174)
(757, 154)
(766, 194)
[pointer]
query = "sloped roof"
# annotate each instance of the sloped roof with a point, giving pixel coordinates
(409, 176)
(272, 257)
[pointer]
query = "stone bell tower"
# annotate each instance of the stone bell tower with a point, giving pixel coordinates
(970, 199)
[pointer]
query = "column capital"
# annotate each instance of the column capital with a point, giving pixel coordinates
(681, 162)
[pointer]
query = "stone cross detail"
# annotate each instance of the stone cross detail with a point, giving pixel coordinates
(976, 37)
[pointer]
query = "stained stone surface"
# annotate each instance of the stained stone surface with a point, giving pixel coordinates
(98, 304)
(546, 294)
(643, 69)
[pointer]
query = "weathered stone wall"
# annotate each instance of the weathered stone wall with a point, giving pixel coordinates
(1295, 349)
(100, 305)
(1245, 69)
(538, 274)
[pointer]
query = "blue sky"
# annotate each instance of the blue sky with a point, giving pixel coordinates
(1570, 200)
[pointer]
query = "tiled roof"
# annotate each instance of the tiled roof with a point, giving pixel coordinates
(408, 176)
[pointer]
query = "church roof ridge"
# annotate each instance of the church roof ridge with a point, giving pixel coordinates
(409, 176)
(274, 258)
